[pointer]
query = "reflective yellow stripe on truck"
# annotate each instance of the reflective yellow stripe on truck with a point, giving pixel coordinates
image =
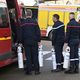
(3, 38)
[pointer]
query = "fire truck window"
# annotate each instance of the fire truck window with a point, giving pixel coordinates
(3, 18)
(35, 13)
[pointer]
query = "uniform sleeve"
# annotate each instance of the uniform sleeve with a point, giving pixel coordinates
(79, 35)
(53, 37)
(38, 33)
(67, 34)
(79, 32)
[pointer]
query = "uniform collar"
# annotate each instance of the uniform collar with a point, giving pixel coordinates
(56, 21)
(72, 19)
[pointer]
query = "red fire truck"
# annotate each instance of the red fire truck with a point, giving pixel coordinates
(7, 56)
(8, 9)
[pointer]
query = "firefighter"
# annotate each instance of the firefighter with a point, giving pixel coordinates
(72, 40)
(30, 37)
(58, 41)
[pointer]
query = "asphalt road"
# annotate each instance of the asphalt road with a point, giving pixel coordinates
(12, 72)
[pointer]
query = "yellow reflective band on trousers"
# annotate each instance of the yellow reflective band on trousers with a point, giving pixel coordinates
(5, 38)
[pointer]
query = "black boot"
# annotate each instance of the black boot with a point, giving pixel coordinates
(28, 73)
(76, 68)
(37, 72)
(71, 70)
(59, 69)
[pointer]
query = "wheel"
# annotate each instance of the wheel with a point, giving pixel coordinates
(50, 35)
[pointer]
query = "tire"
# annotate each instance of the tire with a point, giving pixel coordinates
(50, 36)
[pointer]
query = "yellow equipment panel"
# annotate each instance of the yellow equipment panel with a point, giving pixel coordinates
(43, 19)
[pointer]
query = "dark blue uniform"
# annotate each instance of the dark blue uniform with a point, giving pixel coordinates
(58, 42)
(72, 38)
(30, 36)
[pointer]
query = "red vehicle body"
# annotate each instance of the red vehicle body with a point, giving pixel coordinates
(17, 9)
(6, 54)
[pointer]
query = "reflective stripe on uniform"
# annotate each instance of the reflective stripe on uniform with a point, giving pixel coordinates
(28, 24)
(59, 63)
(76, 59)
(58, 27)
(73, 26)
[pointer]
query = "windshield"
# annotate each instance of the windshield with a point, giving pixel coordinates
(3, 17)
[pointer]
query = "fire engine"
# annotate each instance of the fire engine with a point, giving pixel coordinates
(7, 56)
(46, 12)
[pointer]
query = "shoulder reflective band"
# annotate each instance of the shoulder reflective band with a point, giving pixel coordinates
(3, 38)
(59, 27)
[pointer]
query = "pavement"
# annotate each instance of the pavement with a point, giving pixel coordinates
(12, 72)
